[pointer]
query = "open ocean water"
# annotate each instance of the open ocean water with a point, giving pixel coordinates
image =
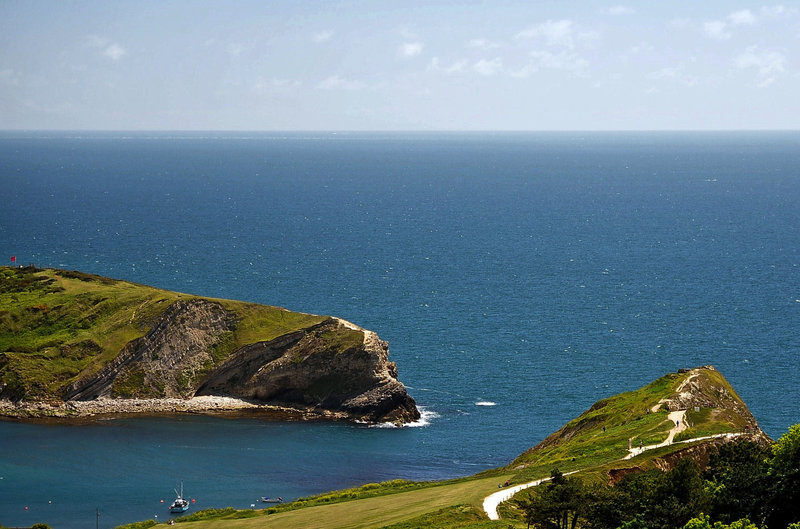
(518, 277)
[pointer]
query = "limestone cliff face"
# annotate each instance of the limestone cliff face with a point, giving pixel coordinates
(333, 369)
(330, 366)
(164, 361)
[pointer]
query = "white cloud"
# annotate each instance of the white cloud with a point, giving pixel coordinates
(115, 52)
(456, 67)
(722, 29)
(524, 72)
(743, 17)
(488, 68)
(112, 50)
(554, 32)
(563, 60)
(772, 10)
(559, 33)
(766, 63)
(482, 44)
(334, 82)
(408, 50)
(322, 36)
(717, 29)
(777, 11)
(618, 10)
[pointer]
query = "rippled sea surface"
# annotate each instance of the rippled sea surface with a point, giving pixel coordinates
(517, 277)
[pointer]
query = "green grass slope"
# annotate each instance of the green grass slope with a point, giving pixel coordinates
(600, 437)
(601, 433)
(58, 325)
(593, 443)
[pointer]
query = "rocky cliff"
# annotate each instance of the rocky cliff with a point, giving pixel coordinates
(186, 347)
(333, 365)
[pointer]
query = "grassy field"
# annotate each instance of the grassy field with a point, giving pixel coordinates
(386, 510)
(58, 325)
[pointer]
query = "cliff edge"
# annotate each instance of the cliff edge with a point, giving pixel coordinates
(79, 344)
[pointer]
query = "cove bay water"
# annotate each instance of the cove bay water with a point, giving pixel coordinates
(517, 277)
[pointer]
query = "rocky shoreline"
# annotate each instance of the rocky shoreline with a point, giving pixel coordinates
(201, 405)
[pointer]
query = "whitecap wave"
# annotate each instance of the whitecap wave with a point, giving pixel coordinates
(380, 425)
(485, 403)
(424, 420)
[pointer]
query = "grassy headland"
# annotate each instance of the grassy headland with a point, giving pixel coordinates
(57, 326)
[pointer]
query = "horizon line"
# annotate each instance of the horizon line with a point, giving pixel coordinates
(390, 131)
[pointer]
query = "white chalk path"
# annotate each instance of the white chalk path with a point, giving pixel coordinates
(679, 418)
(491, 502)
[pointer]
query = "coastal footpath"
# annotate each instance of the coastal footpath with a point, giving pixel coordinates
(79, 345)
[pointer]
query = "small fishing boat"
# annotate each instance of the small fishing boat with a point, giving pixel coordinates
(180, 504)
(267, 499)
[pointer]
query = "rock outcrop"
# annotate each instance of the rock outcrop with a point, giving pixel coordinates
(161, 363)
(332, 366)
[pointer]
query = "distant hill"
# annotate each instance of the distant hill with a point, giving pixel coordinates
(78, 344)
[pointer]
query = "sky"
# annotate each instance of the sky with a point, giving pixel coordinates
(405, 65)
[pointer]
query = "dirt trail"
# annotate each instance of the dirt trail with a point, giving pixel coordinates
(491, 502)
(679, 391)
(677, 417)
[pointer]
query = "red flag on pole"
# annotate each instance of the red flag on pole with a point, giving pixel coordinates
(13, 258)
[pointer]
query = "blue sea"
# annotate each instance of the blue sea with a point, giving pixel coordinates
(518, 278)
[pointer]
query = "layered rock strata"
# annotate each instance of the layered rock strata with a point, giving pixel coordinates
(331, 370)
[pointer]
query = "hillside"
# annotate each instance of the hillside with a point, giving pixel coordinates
(625, 434)
(75, 344)
(612, 426)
